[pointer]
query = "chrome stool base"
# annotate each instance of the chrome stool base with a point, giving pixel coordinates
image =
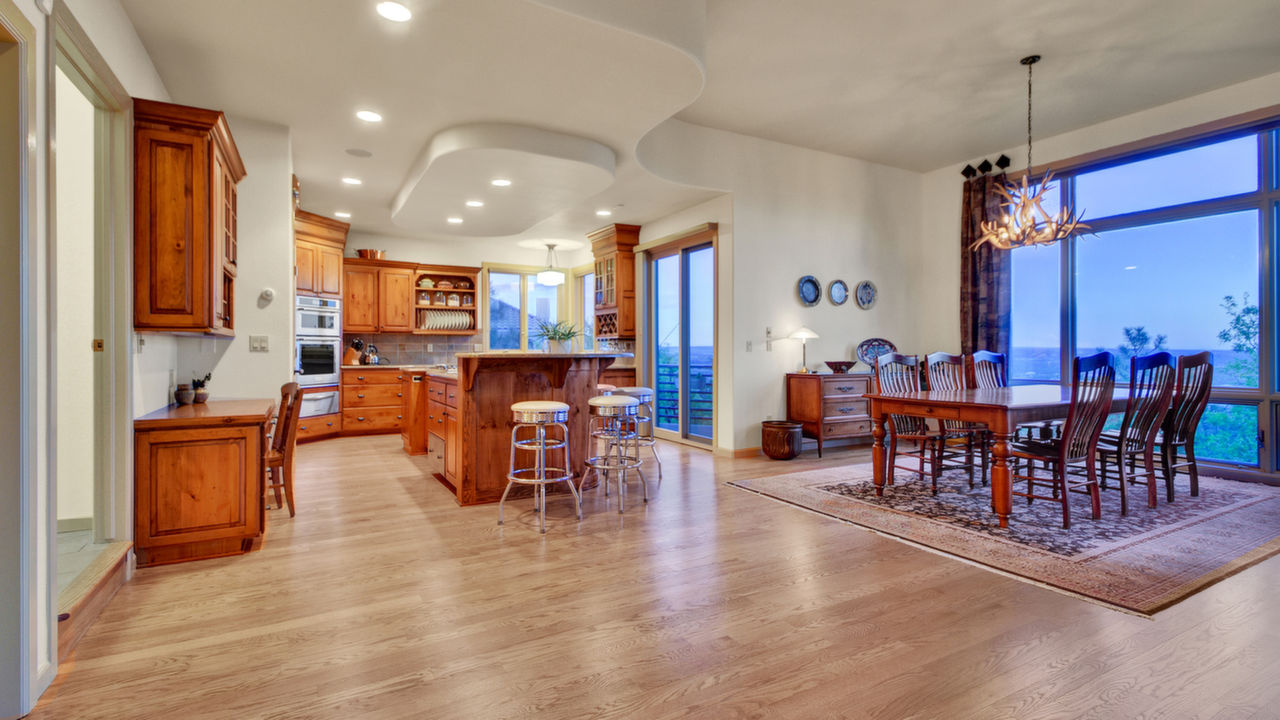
(540, 416)
(614, 422)
(644, 420)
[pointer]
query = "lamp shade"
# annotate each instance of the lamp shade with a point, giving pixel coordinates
(550, 277)
(804, 333)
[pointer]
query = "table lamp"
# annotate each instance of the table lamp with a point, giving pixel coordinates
(802, 335)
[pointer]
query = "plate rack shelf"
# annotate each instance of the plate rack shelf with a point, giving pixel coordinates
(445, 301)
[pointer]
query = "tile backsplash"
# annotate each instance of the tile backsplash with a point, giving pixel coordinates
(406, 349)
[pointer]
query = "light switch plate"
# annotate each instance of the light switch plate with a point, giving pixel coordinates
(258, 343)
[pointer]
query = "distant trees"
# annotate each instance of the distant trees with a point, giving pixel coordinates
(1241, 334)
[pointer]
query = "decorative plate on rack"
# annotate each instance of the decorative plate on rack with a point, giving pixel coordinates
(809, 290)
(872, 348)
(837, 292)
(865, 294)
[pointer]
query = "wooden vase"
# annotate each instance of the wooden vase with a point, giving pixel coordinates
(780, 439)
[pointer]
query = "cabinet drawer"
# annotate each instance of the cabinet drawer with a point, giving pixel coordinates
(436, 417)
(372, 377)
(451, 394)
(319, 426)
(443, 391)
(846, 408)
(379, 418)
(853, 428)
(363, 396)
(846, 385)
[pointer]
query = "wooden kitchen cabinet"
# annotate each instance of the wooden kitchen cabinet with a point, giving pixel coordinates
(318, 247)
(613, 247)
(199, 480)
(186, 167)
(372, 401)
(395, 299)
(830, 405)
(359, 298)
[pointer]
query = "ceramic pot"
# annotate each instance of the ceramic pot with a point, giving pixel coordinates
(183, 395)
(201, 395)
(780, 439)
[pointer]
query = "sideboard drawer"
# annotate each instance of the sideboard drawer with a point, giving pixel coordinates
(846, 408)
(846, 385)
(853, 428)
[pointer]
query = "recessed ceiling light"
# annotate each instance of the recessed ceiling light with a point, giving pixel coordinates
(455, 221)
(500, 182)
(475, 203)
(353, 181)
(394, 11)
(342, 214)
(368, 116)
(604, 213)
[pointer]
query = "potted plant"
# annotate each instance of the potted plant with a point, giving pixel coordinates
(558, 336)
(197, 384)
(183, 394)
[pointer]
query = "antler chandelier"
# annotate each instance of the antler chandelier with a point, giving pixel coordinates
(1024, 221)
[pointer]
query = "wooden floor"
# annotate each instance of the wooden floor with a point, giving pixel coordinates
(382, 599)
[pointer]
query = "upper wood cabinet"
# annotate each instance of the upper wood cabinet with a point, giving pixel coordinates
(318, 245)
(395, 299)
(613, 247)
(186, 167)
(359, 298)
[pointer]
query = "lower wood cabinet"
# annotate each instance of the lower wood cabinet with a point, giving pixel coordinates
(830, 405)
(372, 401)
(318, 427)
(618, 377)
(198, 480)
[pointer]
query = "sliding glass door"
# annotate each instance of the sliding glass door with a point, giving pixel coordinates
(682, 341)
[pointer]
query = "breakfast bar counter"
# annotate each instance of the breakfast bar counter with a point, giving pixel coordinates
(488, 383)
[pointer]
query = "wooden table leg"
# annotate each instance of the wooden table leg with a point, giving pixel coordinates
(1001, 485)
(877, 455)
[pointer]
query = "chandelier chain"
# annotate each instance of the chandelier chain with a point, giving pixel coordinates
(1029, 118)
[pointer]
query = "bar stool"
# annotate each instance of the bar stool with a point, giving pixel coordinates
(644, 419)
(605, 388)
(613, 420)
(540, 415)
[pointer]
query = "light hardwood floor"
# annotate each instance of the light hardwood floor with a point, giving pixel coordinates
(383, 599)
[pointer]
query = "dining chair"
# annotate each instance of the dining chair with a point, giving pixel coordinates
(949, 373)
(895, 372)
(284, 439)
(988, 370)
(1190, 398)
(1092, 386)
(1151, 381)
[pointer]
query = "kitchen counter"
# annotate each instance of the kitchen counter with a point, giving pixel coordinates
(433, 370)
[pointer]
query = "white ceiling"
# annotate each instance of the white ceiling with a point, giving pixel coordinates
(918, 84)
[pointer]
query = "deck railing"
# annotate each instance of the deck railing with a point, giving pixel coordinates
(701, 398)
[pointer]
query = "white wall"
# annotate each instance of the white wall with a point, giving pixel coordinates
(265, 260)
(938, 252)
(799, 212)
(76, 298)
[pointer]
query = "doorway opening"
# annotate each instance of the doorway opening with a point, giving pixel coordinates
(682, 303)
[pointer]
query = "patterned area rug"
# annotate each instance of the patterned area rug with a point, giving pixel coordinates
(1143, 563)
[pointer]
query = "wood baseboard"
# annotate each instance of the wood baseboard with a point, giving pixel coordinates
(738, 453)
(80, 603)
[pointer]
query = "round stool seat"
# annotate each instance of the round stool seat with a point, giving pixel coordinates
(540, 411)
(605, 388)
(613, 405)
(639, 392)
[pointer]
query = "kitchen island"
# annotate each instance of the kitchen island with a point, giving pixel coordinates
(470, 413)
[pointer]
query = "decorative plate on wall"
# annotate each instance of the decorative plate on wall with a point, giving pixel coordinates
(865, 294)
(837, 292)
(809, 290)
(872, 348)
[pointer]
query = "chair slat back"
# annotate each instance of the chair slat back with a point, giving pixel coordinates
(988, 370)
(944, 371)
(1092, 386)
(285, 435)
(1190, 396)
(896, 372)
(1151, 383)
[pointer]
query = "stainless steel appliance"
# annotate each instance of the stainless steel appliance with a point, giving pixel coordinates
(318, 360)
(320, 403)
(318, 317)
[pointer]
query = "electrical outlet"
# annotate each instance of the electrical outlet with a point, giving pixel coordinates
(142, 343)
(748, 346)
(768, 339)
(431, 347)
(258, 343)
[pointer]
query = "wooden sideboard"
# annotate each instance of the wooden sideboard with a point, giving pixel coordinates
(830, 405)
(198, 480)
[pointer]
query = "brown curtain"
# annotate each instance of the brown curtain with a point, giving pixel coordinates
(985, 280)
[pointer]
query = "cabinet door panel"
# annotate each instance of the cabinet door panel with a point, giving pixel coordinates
(452, 449)
(360, 299)
(305, 268)
(171, 251)
(328, 276)
(395, 308)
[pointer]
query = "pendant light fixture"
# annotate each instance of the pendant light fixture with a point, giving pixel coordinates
(551, 276)
(1024, 221)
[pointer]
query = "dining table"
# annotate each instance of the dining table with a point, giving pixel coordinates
(1002, 410)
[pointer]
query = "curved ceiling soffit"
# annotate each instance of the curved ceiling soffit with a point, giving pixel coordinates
(548, 171)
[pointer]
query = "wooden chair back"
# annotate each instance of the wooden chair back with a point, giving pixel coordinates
(944, 371)
(1093, 383)
(285, 436)
(988, 370)
(1151, 382)
(1190, 397)
(895, 372)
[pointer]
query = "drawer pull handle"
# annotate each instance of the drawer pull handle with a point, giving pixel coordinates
(360, 418)
(303, 428)
(330, 423)
(399, 395)
(359, 377)
(847, 410)
(845, 388)
(360, 395)
(399, 417)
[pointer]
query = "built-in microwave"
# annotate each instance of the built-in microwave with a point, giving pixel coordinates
(318, 316)
(318, 360)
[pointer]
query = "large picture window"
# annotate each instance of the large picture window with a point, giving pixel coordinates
(517, 305)
(1181, 255)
